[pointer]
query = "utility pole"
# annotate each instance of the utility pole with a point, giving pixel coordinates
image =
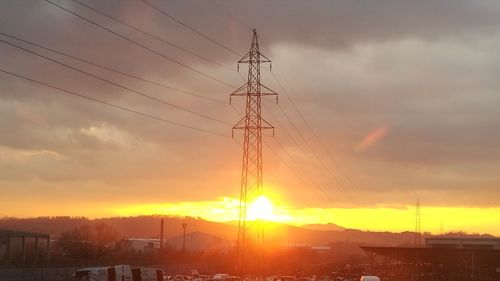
(251, 235)
(418, 239)
(184, 225)
(161, 235)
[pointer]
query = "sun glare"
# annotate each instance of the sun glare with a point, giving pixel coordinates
(261, 209)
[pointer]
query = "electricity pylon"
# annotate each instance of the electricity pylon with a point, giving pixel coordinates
(251, 234)
(418, 233)
(418, 241)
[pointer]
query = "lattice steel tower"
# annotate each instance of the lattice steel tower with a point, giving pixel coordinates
(418, 232)
(251, 233)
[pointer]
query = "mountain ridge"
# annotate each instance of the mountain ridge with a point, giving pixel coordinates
(149, 227)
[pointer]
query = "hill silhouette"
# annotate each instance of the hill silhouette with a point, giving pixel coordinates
(149, 227)
(324, 227)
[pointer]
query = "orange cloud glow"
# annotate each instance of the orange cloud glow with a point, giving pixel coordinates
(372, 138)
(375, 219)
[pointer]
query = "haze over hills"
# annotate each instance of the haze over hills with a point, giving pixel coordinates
(140, 226)
(324, 227)
(198, 241)
(149, 227)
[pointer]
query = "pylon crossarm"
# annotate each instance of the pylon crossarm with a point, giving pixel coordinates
(239, 90)
(242, 91)
(273, 93)
(240, 123)
(252, 128)
(269, 94)
(253, 94)
(267, 88)
(254, 61)
(265, 58)
(265, 124)
(244, 59)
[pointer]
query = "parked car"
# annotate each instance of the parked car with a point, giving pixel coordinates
(369, 278)
(119, 273)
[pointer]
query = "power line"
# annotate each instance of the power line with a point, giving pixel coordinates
(283, 128)
(119, 107)
(298, 131)
(286, 165)
(294, 172)
(191, 28)
(302, 117)
(144, 46)
(117, 85)
(329, 154)
(153, 35)
(294, 159)
(114, 69)
(323, 193)
(315, 155)
(324, 190)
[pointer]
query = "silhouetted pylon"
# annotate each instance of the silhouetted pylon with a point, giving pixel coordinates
(251, 233)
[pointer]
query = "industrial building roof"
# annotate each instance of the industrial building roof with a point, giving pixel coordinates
(16, 233)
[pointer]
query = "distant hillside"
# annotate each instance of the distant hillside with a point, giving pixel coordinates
(51, 225)
(279, 233)
(199, 241)
(149, 227)
(323, 227)
(141, 226)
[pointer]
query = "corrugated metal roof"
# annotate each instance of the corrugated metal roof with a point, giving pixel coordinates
(16, 233)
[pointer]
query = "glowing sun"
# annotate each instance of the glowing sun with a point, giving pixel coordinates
(261, 209)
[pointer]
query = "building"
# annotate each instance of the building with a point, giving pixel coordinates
(439, 259)
(146, 246)
(463, 243)
(193, 242)
(199, 242)
(23, 247)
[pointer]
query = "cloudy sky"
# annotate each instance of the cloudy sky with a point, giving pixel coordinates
(382, 103)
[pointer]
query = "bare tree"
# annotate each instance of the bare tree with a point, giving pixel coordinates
(89, 242)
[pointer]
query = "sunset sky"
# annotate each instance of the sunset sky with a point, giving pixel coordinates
(400, 100)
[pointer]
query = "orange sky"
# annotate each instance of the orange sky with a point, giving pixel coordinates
(434, 219)
(395, 111)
